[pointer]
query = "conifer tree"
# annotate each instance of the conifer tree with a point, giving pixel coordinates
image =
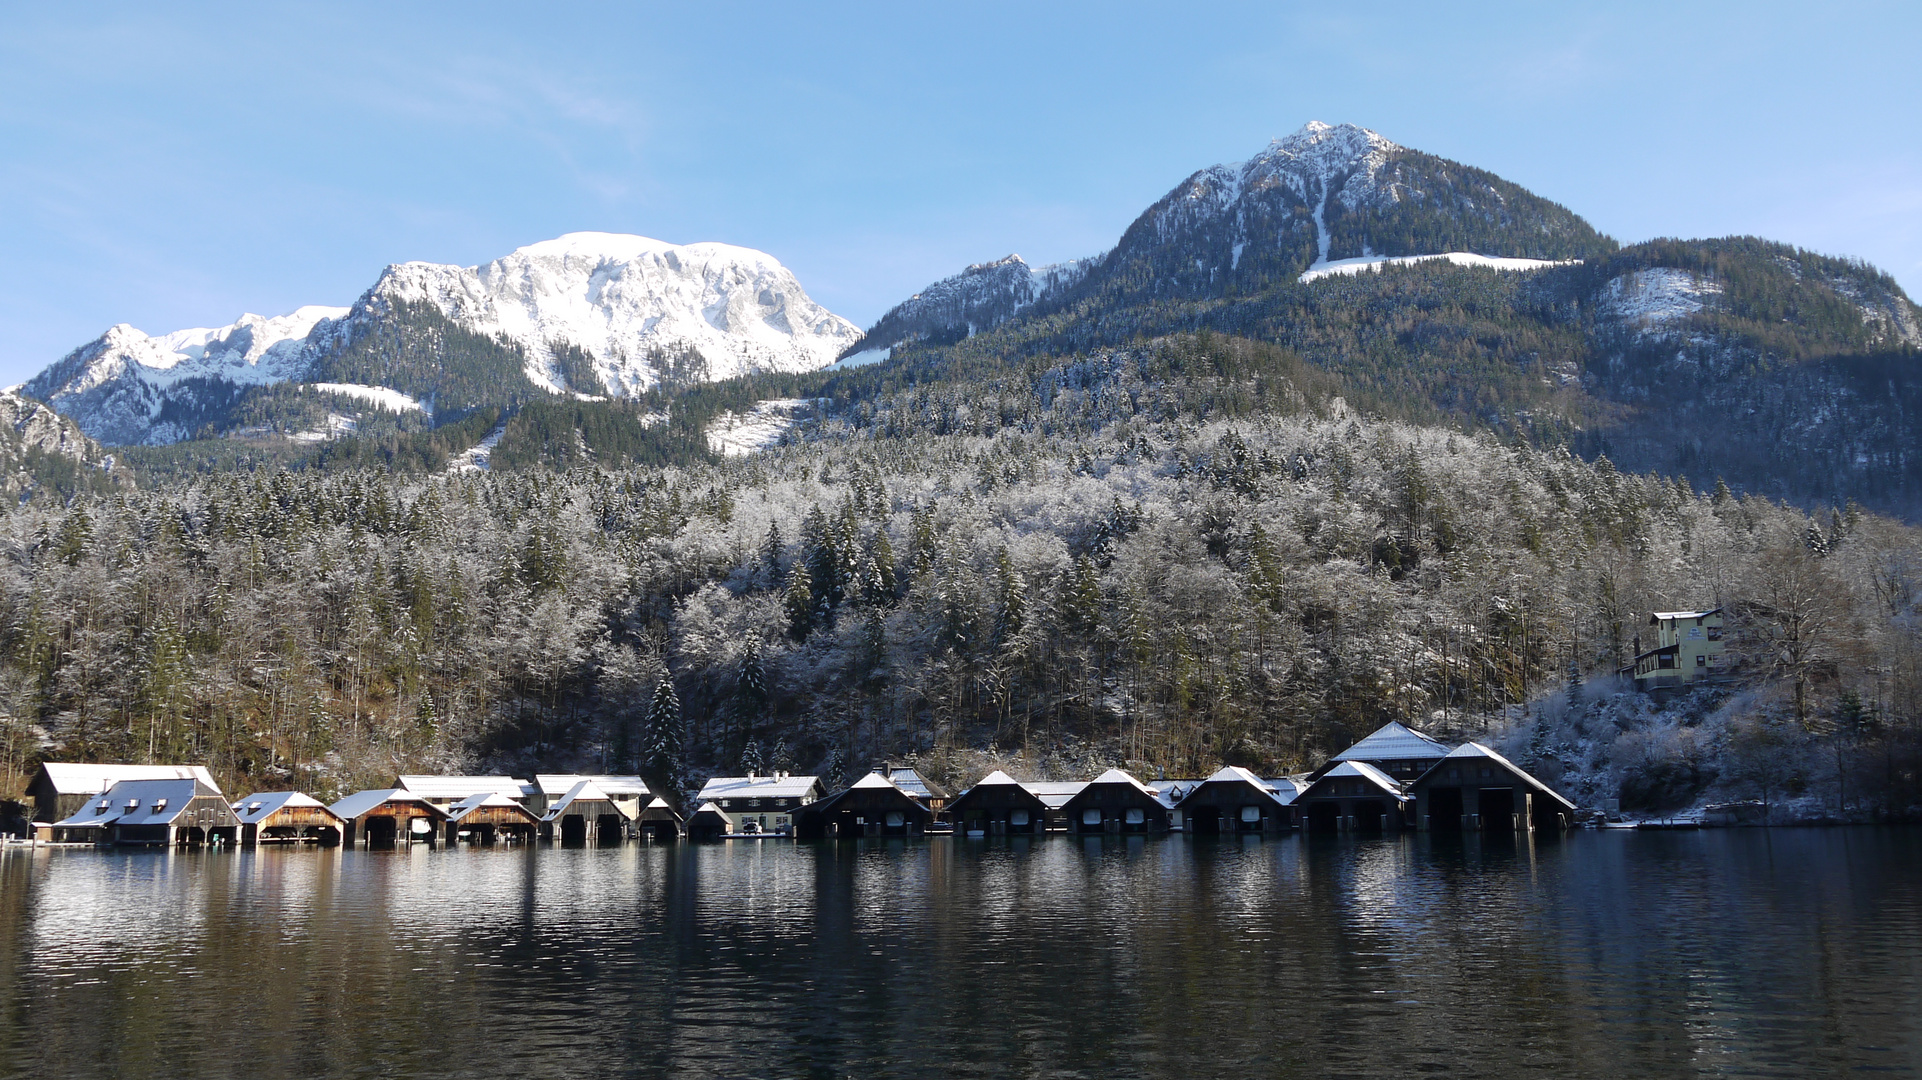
(661, 748)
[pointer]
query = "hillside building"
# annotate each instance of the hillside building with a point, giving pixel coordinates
(1688, 648)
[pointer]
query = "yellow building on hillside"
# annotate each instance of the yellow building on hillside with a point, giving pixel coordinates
(1688, 649)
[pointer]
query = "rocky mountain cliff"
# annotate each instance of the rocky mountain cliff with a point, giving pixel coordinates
(585, 315)
(40, 450)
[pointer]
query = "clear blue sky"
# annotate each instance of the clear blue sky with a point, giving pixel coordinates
(176, 167)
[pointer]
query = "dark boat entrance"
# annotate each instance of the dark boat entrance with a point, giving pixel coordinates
(381, 831)
(1498, 809)
(1445, 809)
(1324, 817)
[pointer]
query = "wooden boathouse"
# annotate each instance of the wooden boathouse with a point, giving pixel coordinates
(586, 813)
(59, 789)
(998, 806)
(445, 791)
(269, 817)
(709, 822)
(154, 813)
(659, 822)
(873, 806)
(487, 816)
(930, 794)
(1475, 788)
(1352, 796)
(1116, 802)
(384, 817)
(1235, 800)
(626, 790)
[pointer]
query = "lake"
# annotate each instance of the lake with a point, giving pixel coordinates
(1752, 952)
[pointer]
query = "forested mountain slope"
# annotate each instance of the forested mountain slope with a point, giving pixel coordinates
(1165, 557)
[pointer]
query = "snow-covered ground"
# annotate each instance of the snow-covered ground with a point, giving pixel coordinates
(1323, 267)
(734, 434)
(380, 397)
(1654, 298)
(865, 357)
(479, 457)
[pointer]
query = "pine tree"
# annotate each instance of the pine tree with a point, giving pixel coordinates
(834, 771)
(771, 549)
(661, 747)
(799, 603)
(753, 762)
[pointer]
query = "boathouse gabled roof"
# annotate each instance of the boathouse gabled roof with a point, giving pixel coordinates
(456, 788)
(615, 786)
(482, 799)
(84, 778)
(1473, 751)
(1662, 616)
(1235, 774)
(1394, 742)
(1055, 793)
(261, 805)
(772, 786)
(585, 791)
(361, 802)
(1361, 770)
(156, 802)
(912, 782)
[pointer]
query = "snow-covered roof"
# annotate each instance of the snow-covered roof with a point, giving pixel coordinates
(481, 800)
(660, 804)
(585, 791)
(360, 802)
(1394, 742)
(915, 784)
(710, 808)
(1471, 751)
(1663, 616)
(84, 778)
(1361, 770)
(876, 780)
(257, 807)
(455, 788)
(151, 802)
(616, 786)
(1055, 793)
(98, 813)
(1235, 774)
(996, 777)
(775, 786)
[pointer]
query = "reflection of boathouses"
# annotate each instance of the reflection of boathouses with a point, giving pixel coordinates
(1395, 778)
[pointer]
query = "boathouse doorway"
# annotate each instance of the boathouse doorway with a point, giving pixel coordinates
(1498, 809)
(1445, 809)
(574, 830)
(1324, 816)
(381, 831)
(1204, 819)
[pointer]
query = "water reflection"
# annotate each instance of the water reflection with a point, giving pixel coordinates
(1784, 953)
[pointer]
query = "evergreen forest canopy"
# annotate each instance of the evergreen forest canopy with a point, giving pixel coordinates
(1165, 556)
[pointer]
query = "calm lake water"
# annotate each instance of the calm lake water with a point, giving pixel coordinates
(1773, 953)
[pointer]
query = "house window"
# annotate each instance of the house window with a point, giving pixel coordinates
(1665, 662)
(1715, 633)
(1701, 659)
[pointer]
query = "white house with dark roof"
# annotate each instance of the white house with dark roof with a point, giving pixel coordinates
(760, 803)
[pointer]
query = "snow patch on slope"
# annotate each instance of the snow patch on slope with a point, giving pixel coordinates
(734, 434)
(1323, 267)
(380, 397)
(1655, 298)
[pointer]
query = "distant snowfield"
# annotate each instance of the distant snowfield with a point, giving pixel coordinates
(380, 397)
(865, 357)
(1323, 268)
(1653, 298)
(480, 456)
(734, 434)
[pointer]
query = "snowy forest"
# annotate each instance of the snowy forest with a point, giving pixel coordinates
(1165, 557)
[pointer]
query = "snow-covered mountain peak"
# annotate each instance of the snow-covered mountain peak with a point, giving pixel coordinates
(626, 300)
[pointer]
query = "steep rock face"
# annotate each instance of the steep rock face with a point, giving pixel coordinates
(40, 449)
(592, 314)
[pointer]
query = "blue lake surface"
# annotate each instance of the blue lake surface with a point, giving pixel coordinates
(1741, 952)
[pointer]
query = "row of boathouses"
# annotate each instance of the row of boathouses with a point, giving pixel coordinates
(1396, 778)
